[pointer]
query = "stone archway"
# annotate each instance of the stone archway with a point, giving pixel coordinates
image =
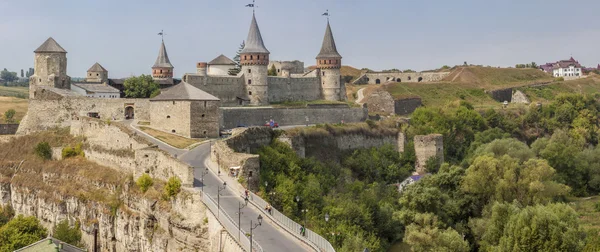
(377, 81)
(398, 80)
(420, 79)
(129, 112)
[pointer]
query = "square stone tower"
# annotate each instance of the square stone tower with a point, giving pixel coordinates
(426, 147)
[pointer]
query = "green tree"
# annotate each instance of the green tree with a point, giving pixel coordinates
(173, 187)
(506, 179)
(20, 232)
(64, 232)
(428, 234)
(144, 182)
(8, 76)
(43, 150)
(22, 73)
(142, 86)
(272, 71)
(238, 67)
(533, 65)
(508, 227)
(6, 213)
(9, 116)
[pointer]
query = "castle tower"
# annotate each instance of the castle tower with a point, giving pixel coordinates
(201, 68)
(162, 69)
(97, 73)
(254, 59)
(329, 63)
(50, 68)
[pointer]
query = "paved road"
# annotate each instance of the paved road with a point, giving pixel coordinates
(270, 236)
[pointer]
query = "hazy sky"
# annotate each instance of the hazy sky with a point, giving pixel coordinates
(378, 34)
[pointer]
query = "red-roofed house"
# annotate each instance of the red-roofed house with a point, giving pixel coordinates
(568, 69)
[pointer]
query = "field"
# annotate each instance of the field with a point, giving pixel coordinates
(19, 105)
(173, 140)
(20, 92)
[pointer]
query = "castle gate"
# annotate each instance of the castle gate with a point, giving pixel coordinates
(129, 112)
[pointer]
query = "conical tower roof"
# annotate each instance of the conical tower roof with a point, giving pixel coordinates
(50, 46)
(97, 68)
(328, 49)
(163, 57)
(254, 42)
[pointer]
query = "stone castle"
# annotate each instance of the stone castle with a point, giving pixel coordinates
(201, 103)
(253, 86)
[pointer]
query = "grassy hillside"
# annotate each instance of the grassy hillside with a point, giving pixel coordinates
(588, 85)
(498, 77)
(19, 105)
(20, 92)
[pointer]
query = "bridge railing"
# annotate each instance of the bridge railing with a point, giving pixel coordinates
(311, 238)
(230, 225)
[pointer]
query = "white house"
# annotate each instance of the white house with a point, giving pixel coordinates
(568, 69)
(96, 90)
(220, 66)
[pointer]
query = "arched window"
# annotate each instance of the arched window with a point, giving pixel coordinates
(329, 61)
(251, 57)
(160, 70)
(323, 73)
(168, 116)
(244, 56)
(249, 70)
(257, 57)
(250, 93)
(249, 82)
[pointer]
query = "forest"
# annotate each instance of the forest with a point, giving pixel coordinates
(506, 185)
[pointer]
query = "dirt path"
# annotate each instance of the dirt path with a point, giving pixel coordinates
(360, 96)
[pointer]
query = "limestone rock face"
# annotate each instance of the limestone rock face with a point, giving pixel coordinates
(133, 224)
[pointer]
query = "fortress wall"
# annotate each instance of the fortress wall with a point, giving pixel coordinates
(258, 116)
(45, 114)
(502, 95)
(114, 145)
(407, 105)
(427, 146)
(329, 147)
(283, 89)
(226, 88)
(380, 102)
(371, 78)
(8, 129)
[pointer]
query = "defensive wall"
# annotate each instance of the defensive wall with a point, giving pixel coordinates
(57, 110)
(512, 95)
(282, 89)
(380, 78)
(407, 105)
(232, 117)
(426, 147)
(382, 102)
(115, 145)
(328, 143)
(227, 88)
(8, 129)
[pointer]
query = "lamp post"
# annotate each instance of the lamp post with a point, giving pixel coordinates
(202, 177)
(252, 227)
(304, 211)
(219, 189)
(240, 206)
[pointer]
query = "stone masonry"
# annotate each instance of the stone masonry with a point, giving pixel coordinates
(427, 146)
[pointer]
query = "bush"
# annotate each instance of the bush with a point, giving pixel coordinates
(559, 79)
(68, 152)
(64, 232)
(173, 187)
(597, 206)
(6, 213)
(144, 182)
(43, 150)
(20, 232)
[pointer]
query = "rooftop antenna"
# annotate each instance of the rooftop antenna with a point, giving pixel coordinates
(252, 5)
(326, 14)
(162, 35)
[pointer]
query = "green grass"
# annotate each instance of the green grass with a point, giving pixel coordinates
(546, 93)
(507, 76)
(19, 92)
(588, 214)
(441, 93)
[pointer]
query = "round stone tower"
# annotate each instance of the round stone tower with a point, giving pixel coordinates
(329, 63)
(162, 68)
(254, 59)
(50, 68)
(201, 68)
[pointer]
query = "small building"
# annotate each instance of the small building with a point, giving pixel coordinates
(220, 65)
(95, 90)
(50, 245)
(185, 110)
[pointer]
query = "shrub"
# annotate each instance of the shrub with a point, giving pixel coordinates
(68, 152)
(597, 206)
(172, 187)
(43, 150)
(144, 182)
(559, 79)
(64, 232)
(6, 213)
(20, 232)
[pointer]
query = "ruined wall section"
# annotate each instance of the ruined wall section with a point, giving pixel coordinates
(427, 146)
(371, 78)
(285, 89)
(519, 97)
(44, 114)
(407, 105)
(115, 145)
(380, 102)
(8, 129)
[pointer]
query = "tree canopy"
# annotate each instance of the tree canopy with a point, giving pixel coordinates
(20, 232)
(142, 86)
